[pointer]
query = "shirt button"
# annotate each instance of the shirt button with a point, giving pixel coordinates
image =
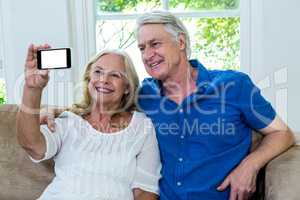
(180, 159)
(181, 110)
(178, 183)
(200, 90)
(182, 137)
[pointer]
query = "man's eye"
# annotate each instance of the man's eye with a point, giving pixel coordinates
(141, 48)
(156, 44)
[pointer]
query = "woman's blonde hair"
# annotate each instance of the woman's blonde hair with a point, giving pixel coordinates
(128, 102)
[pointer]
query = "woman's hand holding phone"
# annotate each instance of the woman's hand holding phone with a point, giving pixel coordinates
(35, 78)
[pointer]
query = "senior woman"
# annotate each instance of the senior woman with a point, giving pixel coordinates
(102, 147)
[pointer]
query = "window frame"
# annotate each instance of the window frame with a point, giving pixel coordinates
(194, 14)
(84, 43)
(242, 11)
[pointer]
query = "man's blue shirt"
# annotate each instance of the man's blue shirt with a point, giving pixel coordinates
(205, 137)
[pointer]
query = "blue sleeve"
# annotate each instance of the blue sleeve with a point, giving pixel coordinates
(257, 112)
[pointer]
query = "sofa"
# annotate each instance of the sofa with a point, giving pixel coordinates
(21, 179)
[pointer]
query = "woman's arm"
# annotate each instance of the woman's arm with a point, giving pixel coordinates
(145, 184)
(28, 126)
(143, 195)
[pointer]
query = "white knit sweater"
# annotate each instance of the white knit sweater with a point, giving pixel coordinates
(92, 165)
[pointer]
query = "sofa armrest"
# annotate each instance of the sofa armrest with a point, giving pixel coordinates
(282, 179)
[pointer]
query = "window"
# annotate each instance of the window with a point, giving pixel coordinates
(214, 28)
(2, 92)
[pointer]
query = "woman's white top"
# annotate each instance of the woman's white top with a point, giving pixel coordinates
(92, 165)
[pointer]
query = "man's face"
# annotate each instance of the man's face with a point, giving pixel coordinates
(160, 52)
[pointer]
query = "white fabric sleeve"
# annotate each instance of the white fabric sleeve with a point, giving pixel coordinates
(148, 163)
(53, 139)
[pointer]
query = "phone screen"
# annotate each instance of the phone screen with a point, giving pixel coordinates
(54, 58)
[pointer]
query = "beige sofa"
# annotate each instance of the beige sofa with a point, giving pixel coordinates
(20, 179)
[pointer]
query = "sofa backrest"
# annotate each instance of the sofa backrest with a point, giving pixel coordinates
(20, 178)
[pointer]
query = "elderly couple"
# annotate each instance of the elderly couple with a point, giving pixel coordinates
(184, 134)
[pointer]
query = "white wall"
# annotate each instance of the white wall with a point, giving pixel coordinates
(275, 53)
(1, 47)
(38, 22)
(272, 51)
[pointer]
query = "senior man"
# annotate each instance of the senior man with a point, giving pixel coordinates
(203, 118)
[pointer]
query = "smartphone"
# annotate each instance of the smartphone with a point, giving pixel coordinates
(54, 58)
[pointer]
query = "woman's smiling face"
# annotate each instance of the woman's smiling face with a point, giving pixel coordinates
(108, 82)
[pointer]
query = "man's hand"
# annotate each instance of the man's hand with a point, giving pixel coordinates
(47, 116)
(277, 139)
(242, 181)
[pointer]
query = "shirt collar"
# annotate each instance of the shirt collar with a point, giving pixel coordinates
(203, 74)
(203, 78)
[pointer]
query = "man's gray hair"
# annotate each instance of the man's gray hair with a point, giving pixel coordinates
(172, 24)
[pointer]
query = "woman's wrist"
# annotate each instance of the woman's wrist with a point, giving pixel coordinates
(32, 90)
(31, 99)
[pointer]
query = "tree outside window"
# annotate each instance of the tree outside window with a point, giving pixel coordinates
(2, 92)
(215, 38)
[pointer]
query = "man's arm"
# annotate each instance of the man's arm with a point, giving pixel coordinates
(242, 180)
(47, 115)
(277, 139)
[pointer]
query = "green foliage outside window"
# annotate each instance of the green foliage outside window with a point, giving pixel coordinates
(214, 40)
(219, 40)
(126, 5)
(2, 92)
(204, 4)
